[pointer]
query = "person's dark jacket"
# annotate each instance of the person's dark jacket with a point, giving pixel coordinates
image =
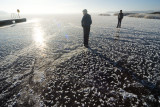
(86, 21)
(120, 16)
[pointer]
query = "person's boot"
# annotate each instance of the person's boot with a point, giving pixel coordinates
(86, 46)
(117, 26)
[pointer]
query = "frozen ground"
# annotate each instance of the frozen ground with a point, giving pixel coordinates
(43, 63)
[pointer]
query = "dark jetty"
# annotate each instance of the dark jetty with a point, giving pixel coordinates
(12, 21)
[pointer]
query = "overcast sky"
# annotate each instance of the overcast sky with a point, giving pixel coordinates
(76, 6)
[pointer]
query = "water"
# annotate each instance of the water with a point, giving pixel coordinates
(45, 61)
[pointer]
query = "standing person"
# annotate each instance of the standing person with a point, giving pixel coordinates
(18, 11)
(86, 23)
(120, 17)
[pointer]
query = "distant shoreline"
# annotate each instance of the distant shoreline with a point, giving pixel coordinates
(154, 15)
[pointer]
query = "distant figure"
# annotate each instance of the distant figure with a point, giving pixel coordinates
(18, 11)
(120, 17)
(86, 23)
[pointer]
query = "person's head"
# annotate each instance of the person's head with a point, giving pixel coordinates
(120, 11)
(85, 11)
(18, 10)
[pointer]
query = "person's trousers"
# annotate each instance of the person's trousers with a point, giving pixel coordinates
(119, 23)
(86, 31)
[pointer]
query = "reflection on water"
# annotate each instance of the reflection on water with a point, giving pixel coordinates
(38, 37)
(116, 38)
(117, 32)
(117, 35)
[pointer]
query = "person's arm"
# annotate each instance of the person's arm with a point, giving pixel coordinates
(90, 19)
(82, 21)
(118, 16)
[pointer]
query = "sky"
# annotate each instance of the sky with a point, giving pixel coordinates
(76, 6)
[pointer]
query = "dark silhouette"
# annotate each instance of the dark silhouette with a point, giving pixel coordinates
(86, 23)
(120, 17)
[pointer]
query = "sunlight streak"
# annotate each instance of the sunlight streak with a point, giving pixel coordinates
(38, 37)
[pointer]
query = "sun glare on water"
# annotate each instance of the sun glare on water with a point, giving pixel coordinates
(38, 36)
